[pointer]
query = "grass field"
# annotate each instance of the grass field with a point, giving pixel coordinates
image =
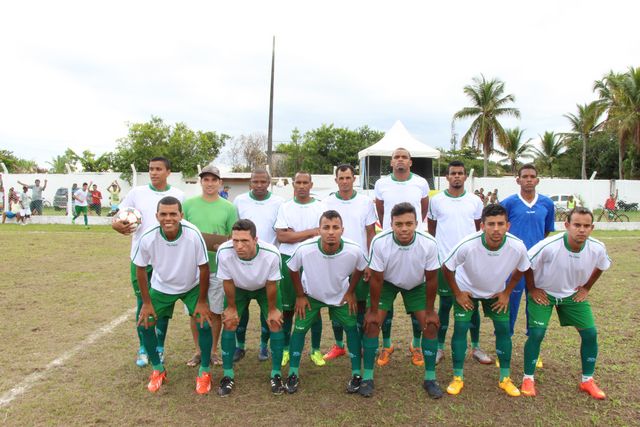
(61, 284)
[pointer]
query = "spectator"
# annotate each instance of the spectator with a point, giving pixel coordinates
(114, 197)
(25, 205)
(96, 200)
(488, 198)
(225, 192)
(571, 203)
(36, 196)
(495, 194)
(13, 206)
(1, 194)
(610, 204)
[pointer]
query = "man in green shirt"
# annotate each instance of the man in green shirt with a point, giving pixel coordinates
(214, 217)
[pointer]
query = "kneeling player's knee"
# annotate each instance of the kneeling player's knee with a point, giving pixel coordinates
(371, 330)
(430, 331)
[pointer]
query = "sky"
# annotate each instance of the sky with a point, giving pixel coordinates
(75, 73)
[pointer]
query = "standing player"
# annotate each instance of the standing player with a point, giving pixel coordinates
(320, 269)
(214, 217)
(297, 221)
(177, 253)
(25, 205)
(145, 199)
(250, 269)
(81, 197)
(532, 219)
(401, 186)
(454, 214)
(404, 260)
(564, 268)
(359, 218)
(476, 270)
(261, 207)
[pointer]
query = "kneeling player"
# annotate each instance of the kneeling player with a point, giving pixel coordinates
(477, 270)
(326, 263)
(564, 267)
(177, 252)
(249, 269)
(400, 260)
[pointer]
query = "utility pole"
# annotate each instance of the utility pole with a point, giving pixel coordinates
(270, 133)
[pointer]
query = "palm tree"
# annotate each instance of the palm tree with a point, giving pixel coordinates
(514, 148)
(621, 95)
(583, 125)
(488, 105)
(552, 146)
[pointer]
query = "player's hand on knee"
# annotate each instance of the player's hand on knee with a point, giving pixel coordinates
(302, 305)
(431, 321)
(350, 300)
(203, 314)
(274, 319)
(147, 316)
(539, 296)
(230, 318)
(371, 323)
(502, 304)
(464, 300)
(367, 274)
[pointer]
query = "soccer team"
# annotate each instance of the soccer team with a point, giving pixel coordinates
(296, 257)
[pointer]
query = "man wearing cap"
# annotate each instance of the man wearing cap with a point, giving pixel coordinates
(214, 216)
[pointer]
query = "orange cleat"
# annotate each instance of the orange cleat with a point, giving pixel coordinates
(528, 387)
(416, 356)
(385, 356)
(593, 390)
(335, 352)
(203, 383)
(156, 380)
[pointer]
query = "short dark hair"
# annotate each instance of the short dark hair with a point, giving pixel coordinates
(302, 173)
(330, 214)
(398, 149)
(403, 208)
(456, 164)
(580, 210)
(245, 225)
(168, 201)
(344, 167)
(167, 163)
(527, 166)
(260, 171)
(493, 209)
(84, 183)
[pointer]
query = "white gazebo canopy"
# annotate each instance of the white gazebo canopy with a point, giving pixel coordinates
(398, 136)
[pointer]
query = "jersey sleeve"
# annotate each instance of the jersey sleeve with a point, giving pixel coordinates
(142, 256)
(477, 213)
(536, 255)
(432, 262)
(456, 258)
(223, 270)
(604, 262)
(275, 271)
(281, 219)
(377, 191)
(202, 256)
(425, 188)
(372, 217)
(523, 262)
(295, 262)
(432, 212)
(376, 260)
(127, 202)
(549, 220)
(361, 262)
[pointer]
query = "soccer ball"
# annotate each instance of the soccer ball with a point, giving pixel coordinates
(131, 216)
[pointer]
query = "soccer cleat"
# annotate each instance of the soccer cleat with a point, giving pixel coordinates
(439, 355)
(263, 354)
(316, 357)
(156, 380)
(539, 363)
(528, 387)
(277, 387)
(226, 386)
(335, 352)
(285, 358)
(354, 384)
(239, 354)
(416, 356)
(455, 386)
(481, 357)
(143, 359)
(160, 351)
(433, 389)
(203, 383)
(385, 356)
(292, 384)
(366, 388)
(509, 387)
(592, 389)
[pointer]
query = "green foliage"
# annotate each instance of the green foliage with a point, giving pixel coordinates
(472, 159)
(601, 156)
(514, 148)
(87, 160)
(319, 150)
(552, 146)
(583, 126)
(16, 164)
(184, 147)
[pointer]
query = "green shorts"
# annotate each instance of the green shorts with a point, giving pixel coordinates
(134, 278)
(462, 315)
(444, 290)
(414, 299)
(244, 297)
(362, 290)
(570, 313)
(81, 210)
(337, 313)
(163, 303)
(287, 291)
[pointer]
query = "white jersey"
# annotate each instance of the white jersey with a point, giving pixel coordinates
(326, 277)
(391, 192)
(404, 265)
(249, 274)
(559, 271)
(456, 218)
(298, 217)
(80, 197)
(175, 262)
(483, 272)
(356, 212)
(263, 213)
(145, 199)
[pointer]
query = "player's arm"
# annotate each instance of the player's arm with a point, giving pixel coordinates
(23, 184)
(375, 287)
(431, 226)
(230, 314)
(371, 233)
(462, 298)
(213, 241)
(431, 317)
(538, 295)
(583, 290)
(146, 311)
(380, 210)
(477, 223)
(302, 303)
(202, 312)
(502, 305)
(44, 187)
(274, 316)
(424, 205)
(287, 235)
(350, 295)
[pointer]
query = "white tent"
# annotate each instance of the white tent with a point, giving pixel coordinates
(399, 136)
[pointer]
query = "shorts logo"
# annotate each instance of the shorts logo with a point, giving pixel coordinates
(299, 328)
(460, 315)
(535, 322)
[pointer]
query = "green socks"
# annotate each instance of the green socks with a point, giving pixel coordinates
(474, 329)
(295, 351)
(446, 302)
(355, 348)
(588, 350)
(264, 331)
(459, 344)
(287, 324)
(162, 325)
(338, 333)
(316, 333)
(532, 349)
(228, 349)
(241, 330)
(429, 350)
(370, 348)
(503, 347)
(205, 342)
(277, 346)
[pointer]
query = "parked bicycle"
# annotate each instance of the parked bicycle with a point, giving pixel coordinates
(561, 214)
(627, 207)
(612, 215)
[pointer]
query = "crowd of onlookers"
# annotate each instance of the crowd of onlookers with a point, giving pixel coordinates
(489, 198)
